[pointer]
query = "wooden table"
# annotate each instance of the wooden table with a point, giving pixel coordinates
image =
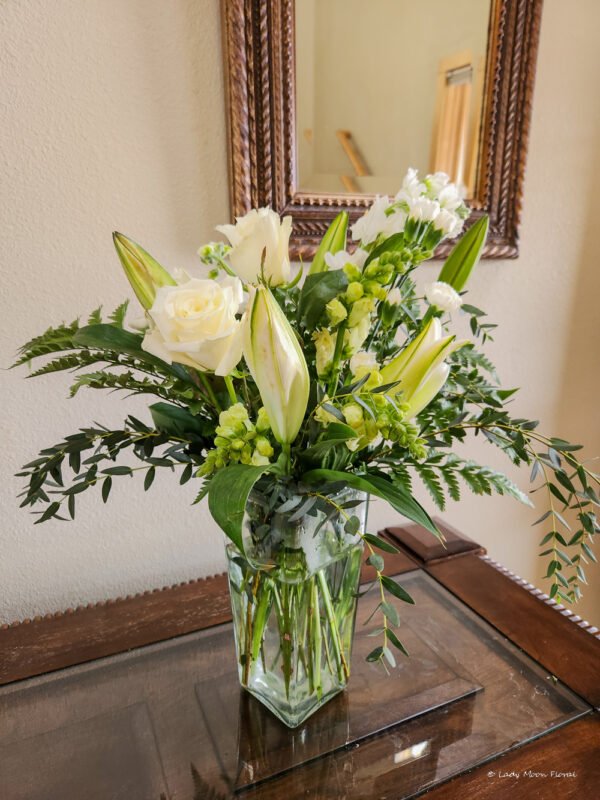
(137, 698)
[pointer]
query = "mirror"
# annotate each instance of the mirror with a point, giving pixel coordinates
(331, 101)
(387, 84)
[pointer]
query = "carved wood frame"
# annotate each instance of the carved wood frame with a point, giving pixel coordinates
(260, 79)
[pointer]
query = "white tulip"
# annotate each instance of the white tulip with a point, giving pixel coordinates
(443, 296)
(195, 324)
(277, 364)
(259, 243)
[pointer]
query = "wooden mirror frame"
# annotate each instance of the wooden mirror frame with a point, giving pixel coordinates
(260, 78)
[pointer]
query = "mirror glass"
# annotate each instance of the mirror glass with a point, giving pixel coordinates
(383, 85)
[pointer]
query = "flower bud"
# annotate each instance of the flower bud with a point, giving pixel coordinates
(276, 363)
(143, 272)
(336, 311)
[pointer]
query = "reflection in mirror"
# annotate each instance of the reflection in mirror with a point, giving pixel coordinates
(382, 85)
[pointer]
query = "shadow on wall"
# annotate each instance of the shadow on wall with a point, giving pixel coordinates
(578, 408)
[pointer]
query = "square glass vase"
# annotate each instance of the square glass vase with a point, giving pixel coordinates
(293, 595)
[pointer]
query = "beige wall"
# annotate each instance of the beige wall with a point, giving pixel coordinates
(113, 118)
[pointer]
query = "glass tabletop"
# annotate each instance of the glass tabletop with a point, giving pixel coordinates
(170, 721)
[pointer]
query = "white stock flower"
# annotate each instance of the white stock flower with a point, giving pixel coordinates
(412, 188)
(373, 222)
(448, 223)
(258, 235)
(424, 209)
(341, 258)
(194, 324)
(363, 362)
(443, 296)
(435, 183)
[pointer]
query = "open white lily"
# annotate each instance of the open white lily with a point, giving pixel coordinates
(277, 364)
(420, 369)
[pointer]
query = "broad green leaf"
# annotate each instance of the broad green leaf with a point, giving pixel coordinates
(228, 494)
(319, 288)
(465, 255)
(337, 433)
(109, 337)
(175, 420)
(400, 500)
(333, 241)
(389, 245)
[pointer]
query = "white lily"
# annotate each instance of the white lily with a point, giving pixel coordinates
(277, 364)
(416, 367)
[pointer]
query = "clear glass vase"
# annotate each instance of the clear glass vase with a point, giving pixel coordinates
(293, 597)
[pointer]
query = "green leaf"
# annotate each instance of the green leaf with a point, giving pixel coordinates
(336, 434)
(376, 561)
(376, 654)
(106, 487)
(396, 642)
(149, 478)
(464, 255)
(227, 497)
(394, 588)
(390, 612)
(333, 241)
(380, 543)
(109, 337)
(174, 420)
(117, 471)
(319, 288)
(400, 500)
(389, 245)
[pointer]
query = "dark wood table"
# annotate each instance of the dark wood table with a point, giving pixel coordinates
(138, 699)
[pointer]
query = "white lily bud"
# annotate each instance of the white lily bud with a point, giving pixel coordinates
(277, 364)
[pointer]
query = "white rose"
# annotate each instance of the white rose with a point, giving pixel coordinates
(195, 324)
(443, 296)
(260, 234)
(342, 257)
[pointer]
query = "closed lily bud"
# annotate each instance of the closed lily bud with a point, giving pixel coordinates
(143, 272)
(277, 364)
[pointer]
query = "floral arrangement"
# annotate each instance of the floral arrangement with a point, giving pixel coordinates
(301, 393)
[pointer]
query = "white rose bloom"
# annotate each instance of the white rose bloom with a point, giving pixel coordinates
(443, 296)
(260, 234)
(373, 222)
(340, 259)
(195, 324)
(394, 296)
(363, 361)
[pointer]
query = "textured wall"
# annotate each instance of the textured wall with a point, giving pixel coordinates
(113, 118)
